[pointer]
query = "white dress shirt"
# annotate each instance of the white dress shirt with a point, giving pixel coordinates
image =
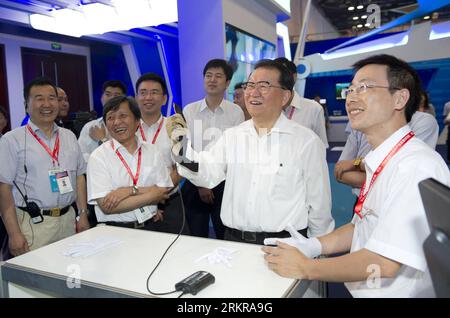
(106, 172)
(273, 180)
(309, 114)
(206, 126)
(87, 144)
(394, 223)
(19, 148)
(163, 142)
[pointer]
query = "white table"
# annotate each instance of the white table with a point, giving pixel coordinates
(122, 271)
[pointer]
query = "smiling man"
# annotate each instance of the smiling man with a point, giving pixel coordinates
(126, 177)
(275, 169)
(384, 240)
(41, 175)
(151, 95)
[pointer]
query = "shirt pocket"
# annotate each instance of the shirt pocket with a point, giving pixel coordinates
(285, 181)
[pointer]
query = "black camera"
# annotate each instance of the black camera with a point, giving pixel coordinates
(35, 212)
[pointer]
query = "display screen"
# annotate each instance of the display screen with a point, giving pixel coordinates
(339, 88)
(243, 51)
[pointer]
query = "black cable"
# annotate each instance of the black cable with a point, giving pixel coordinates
(181, 295)
(164, 254)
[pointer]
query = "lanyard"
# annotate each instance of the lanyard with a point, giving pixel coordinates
(156, 133)
(362, 196)
(135, 178)
(53, 154)
(291, 113)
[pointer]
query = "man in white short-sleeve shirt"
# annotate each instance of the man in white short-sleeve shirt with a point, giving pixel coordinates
(384, 240)
(126, 177)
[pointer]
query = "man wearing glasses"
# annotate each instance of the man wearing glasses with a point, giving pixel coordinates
(276, 172)
(350, 167)
(384, 240)
(151, 95)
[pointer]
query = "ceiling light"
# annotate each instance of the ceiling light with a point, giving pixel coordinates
(426, 17)
(364, 16)
(351, 8)
(355, 18)
(367, 25)
(360, 26)
(97, 18)
(360, 7)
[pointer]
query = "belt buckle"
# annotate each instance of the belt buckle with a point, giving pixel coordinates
(55, 212)
(249, 236)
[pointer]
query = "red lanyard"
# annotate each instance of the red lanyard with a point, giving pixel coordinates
(362, 196)
(53, 154)
(156, 133)
(135, 178)
(291, 113)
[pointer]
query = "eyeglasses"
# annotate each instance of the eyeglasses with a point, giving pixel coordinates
(361, 89)
(262, 86)
(152, 93)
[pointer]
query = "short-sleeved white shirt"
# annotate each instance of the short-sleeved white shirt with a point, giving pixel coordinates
(394, 223)
(106, 173)
(158, 133)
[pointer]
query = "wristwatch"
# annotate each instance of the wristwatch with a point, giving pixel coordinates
(134, 190)
(357, 162)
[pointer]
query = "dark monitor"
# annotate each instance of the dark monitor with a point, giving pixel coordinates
(436, 201)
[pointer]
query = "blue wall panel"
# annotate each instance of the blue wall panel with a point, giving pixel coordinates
(107, 63)
(434, 75)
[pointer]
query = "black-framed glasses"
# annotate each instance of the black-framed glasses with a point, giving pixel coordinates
(361, 88)
(152, 93)
(262, 86)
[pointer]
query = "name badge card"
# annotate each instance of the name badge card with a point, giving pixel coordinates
(145, 213)
(63, 181)
(52, 176)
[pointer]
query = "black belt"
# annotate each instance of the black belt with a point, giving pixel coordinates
(51, 212)
(130, 225)
(260, 236)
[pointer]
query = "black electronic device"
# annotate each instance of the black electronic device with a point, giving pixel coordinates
(182, 159)
(436, 202)
(35, 212)
(195, 283)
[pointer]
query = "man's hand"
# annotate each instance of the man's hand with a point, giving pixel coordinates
(310, 247)
(83, 223)
(174, 122)
(112, 199)
(287, 261)
(206, 195)
(343, 166)
(159, 216)
(18, 244)
(158, 194)
(97, 133)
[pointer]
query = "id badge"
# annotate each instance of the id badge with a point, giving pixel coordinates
(145, 213)
(52, 176)
(63, 181)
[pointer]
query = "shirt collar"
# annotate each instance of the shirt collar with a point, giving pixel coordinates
(374, 158)
(115, 145)
(145, 126)
(204, 105)
(36, 128)
(282, 126)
